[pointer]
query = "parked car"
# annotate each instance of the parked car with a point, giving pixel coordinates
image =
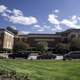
(46, 56)
(19, 55)
(33, 56)
(72, 55)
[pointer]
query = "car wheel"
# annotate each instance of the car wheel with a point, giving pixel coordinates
(13, 58)
(64, 59)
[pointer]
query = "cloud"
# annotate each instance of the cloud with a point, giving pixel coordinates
(23, 32)
(41, 30)
(17, 12)
(70, 24)
(16, 16)
(13, 27)
(4, 11)
(73, 22)
(56, 28)
(74, 19)
(2, 8)
(59, 25)
(22, 20)
(47, 27)
(37, 26)
(56, 11)
(52, 18)
(4, 14)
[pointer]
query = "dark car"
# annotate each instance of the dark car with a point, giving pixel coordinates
(47, 56)
(19, 55)
(72, 55)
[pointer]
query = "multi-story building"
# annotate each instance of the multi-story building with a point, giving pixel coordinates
(69, 34)
(51, 39)
(6, 39)
(34, 39)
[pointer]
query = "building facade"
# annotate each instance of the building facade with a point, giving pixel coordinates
(51, 39)
(6, 39)
(34, 39)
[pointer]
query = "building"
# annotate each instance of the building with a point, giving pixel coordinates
(6, 39)
(34, 39)
(51, 39)
(69, 34)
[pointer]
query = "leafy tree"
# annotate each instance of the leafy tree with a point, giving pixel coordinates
(75, 44)
(62, 48)
(20, 46)
(42, 47)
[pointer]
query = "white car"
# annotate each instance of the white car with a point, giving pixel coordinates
(33, 56)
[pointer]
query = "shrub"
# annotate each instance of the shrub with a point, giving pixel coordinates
(12, 75)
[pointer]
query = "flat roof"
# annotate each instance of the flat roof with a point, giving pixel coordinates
(40, 35)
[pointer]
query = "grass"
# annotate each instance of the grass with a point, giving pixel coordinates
(44, 69)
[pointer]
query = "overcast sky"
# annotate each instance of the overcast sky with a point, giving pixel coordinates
(40, 16)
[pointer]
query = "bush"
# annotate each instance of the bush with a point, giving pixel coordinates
(1, 57)
(12, 75)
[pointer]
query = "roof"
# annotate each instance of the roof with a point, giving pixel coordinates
(68, 31)
(40, 35)
(2, 29)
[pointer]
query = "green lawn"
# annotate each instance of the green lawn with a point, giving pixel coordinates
(44, 70)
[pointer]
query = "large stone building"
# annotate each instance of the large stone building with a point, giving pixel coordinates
(6, 39)
(69, 34)
(51, 39)
(34, 39)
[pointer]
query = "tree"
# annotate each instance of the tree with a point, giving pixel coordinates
(75, 44)
(62, 48)
(20, 46)
(42, 47)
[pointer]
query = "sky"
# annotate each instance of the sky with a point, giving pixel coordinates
(40, 16)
